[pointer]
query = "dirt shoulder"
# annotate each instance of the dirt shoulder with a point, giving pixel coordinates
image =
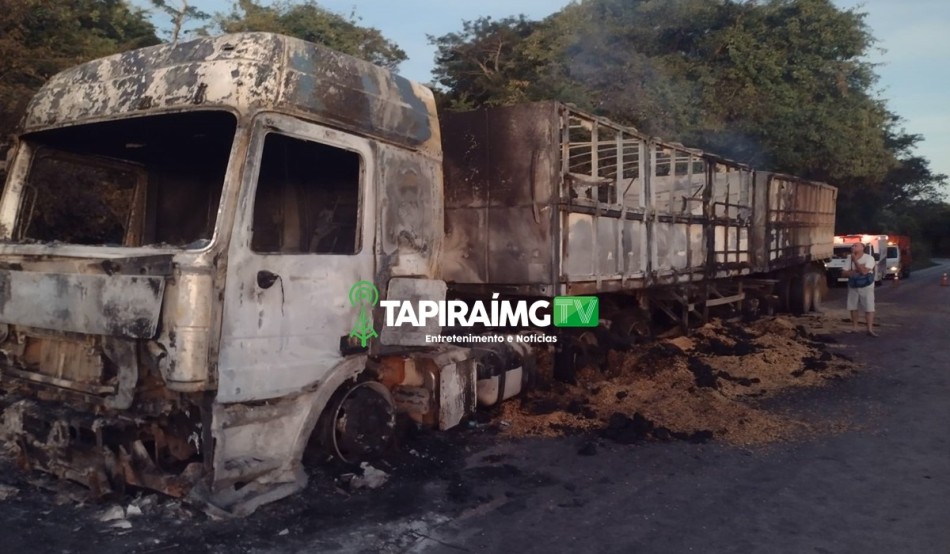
(705, 386)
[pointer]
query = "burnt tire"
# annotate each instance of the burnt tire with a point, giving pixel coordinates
(577, 349)
(567, 359)
(592, 343)
(630, 329)
(359, 422)
(755, 306)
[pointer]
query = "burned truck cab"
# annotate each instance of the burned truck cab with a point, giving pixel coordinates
(179, 233)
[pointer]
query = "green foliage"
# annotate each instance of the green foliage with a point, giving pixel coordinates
(779, 84)
(39, 38)
(310, 22)
(487, 63)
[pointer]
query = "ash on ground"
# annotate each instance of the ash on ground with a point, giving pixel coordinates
(708, 385)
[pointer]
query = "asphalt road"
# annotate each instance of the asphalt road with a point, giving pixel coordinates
(880, 485)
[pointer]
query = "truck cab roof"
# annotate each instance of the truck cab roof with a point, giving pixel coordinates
(243, 73)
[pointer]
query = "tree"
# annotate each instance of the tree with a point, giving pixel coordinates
(501, 62)
(39, 38)
(180, 15)
(779, 84)
(485, 64)
(308, 21)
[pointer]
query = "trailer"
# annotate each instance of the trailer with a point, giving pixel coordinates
(219, 253)
(546, 200)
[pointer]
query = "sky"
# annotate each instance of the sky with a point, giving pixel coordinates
(912, 51)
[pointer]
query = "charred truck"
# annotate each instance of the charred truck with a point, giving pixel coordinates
(188, 233)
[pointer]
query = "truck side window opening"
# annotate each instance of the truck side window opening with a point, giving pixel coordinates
(307, 198)
(153, 180)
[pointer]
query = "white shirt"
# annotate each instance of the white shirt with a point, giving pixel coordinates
(866, 260)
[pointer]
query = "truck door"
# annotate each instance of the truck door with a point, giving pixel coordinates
(303, 236)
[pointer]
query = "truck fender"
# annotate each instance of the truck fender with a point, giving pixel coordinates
(241, 483)
(348, 370)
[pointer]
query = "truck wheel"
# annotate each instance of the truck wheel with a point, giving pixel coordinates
(359, 422)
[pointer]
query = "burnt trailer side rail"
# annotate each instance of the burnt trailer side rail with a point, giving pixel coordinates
(800, 221)
(543, 199)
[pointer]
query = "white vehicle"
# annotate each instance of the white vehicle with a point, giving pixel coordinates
(893, 262)
(875, 245)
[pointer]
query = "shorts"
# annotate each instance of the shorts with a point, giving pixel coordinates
(861, 299)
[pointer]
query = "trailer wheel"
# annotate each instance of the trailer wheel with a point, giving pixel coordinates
(818, 287)
(757, 305)
(783, 290)
(593, 350)
(798, 295)
(630, 329)
(809, 292)
(817, 298)
(359, 422)
(566, 356)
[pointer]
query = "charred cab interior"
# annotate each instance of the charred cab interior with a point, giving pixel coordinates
(91, 349)
(149, 181)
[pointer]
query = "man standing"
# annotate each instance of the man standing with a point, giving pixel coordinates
(860, 274)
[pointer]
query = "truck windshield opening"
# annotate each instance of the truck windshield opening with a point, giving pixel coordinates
(151, 181)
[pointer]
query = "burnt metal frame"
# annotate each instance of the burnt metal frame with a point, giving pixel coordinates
(646, 211)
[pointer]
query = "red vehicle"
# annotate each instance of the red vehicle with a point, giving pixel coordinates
(898, 256)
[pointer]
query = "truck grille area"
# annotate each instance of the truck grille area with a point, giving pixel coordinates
(101, 370)
(68, 362)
